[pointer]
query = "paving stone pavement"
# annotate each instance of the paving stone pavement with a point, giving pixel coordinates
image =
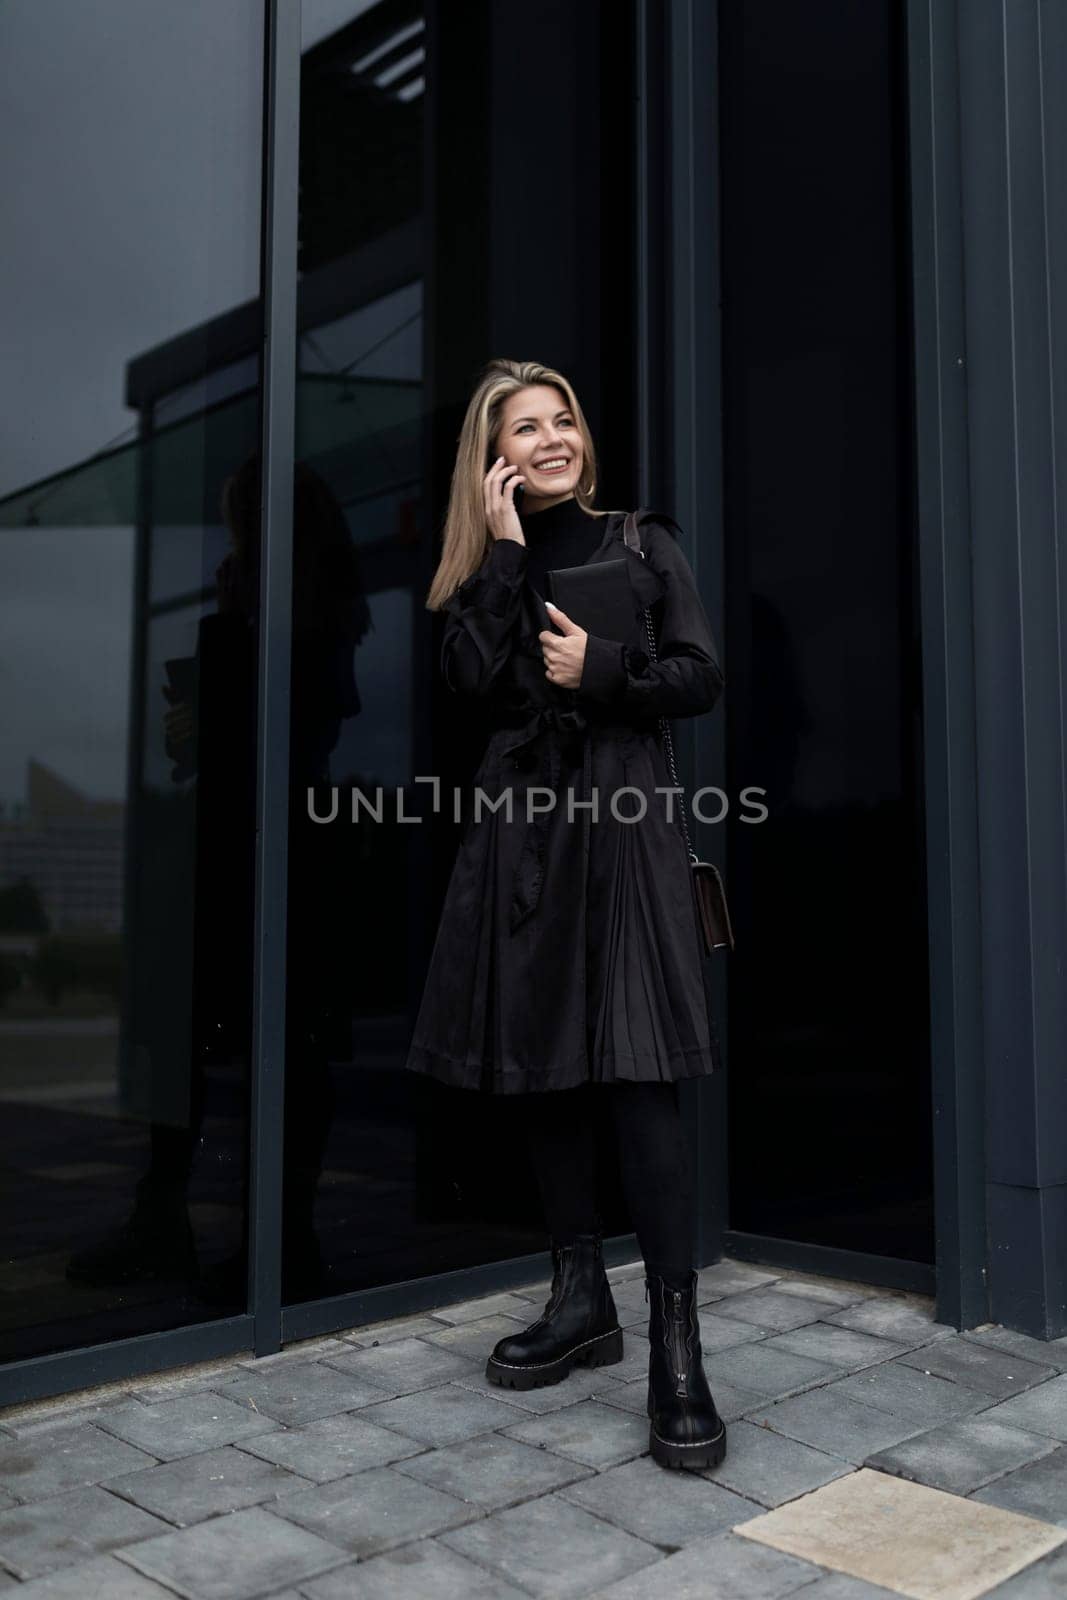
(380, 1463)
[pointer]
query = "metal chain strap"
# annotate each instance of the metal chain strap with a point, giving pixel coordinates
(665, 730)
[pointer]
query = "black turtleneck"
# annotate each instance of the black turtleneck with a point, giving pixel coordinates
(561, 535)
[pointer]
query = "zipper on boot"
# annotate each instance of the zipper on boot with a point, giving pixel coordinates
(677, 1351)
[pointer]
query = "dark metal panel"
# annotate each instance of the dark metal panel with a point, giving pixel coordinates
(1012, 59)
(423, 1294)
(280, 179)
(918, 1277)
(70, 1370)
(943, 514)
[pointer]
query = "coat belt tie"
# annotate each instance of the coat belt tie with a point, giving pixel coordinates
(542, 736)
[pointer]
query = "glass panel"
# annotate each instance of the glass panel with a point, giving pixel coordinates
(828, 1015)
(132, 156)
(417, 179)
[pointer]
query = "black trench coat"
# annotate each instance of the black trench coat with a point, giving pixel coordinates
(569, 951)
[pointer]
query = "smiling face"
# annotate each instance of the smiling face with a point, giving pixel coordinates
(539, 435)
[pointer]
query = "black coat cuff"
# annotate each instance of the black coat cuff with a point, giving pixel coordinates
(603, 670)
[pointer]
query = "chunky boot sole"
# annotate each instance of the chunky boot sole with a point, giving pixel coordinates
(701, 1453)
(603, 1351)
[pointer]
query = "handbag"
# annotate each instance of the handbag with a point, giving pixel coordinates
(713, 914)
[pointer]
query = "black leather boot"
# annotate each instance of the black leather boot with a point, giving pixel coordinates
(580, 1326)
(686, 1429)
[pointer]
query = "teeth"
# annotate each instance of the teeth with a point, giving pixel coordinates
(551, 466)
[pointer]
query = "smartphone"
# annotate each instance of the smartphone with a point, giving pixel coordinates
(518, 491)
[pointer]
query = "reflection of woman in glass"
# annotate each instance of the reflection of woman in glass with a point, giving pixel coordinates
(567, 966)
(210, 734)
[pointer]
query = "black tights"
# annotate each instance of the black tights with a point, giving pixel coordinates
(653, 1163)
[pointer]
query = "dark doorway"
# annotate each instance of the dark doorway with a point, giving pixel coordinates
(830, 1104)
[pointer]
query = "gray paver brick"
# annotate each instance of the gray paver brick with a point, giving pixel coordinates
(172, 1428)
(37, 1421)
(771, 1309)
(890, 1318)
(632, 1396)
(202, 1485)
(65, 1458)
(1036, 1490)
(843, 1428)
(578, 1385)
(768, 1372)
(375, 1510)
(635, 1497)
(332, 1447)
(978, 1366)
(552, 1548)
(723, 1567)
(1046, 1352)
(961, 1456)
(400, 1328)
(833, 1296)
(1042, 1409)
(104, 1576)
(726, 1333)
(592, 1433)
(69, 1528)
(491, 1305)
(630, 1303)
(909, 1393)
(403, 1365)
(300, 1393)
(475, 1339)
(838, 1347)
(770, 1468)
(493, 1471)
(1042, 1580)
(726, 1277)
(234, 1558)
(427, 1570)
(841, 1586)
(305, 1350)
(730, 1401)
(441, 1416)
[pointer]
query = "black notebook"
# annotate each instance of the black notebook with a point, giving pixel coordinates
(599, 597)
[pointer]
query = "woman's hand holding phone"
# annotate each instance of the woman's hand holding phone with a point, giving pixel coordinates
(501, 517)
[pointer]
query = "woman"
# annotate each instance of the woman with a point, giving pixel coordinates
(567, 966)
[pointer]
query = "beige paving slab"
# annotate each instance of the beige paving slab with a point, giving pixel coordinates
(914, 1540)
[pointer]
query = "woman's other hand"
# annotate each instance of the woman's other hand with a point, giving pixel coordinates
(499, 485)
(564, 656)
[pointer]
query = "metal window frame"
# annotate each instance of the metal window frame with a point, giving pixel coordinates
(679, 399)
(943, 518)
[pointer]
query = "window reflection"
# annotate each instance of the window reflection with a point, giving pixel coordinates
(123, 831)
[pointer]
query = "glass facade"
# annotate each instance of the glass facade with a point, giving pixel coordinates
(468, 187)
(129, 684)
(389, 1176)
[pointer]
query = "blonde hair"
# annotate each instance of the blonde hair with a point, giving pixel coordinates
(467, 539)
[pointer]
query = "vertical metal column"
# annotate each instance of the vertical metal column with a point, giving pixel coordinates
(680, 414)
(950, 759)
(279, 282)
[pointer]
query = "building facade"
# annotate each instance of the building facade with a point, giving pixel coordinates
(805, 267)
